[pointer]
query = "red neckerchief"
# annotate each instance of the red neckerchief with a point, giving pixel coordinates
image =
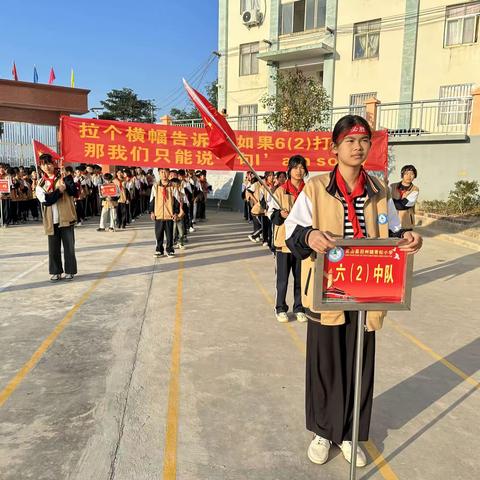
(164, 190)
(402, 190)
(350, 198)
(290, 188)
(49, 182)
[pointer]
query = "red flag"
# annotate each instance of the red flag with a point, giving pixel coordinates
(222, 140)
(39, 149)
(14, 72)
(52, 76)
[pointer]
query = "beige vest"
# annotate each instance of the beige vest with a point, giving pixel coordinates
(121, 187)
(163, 206)
(67, 214)
(328, 215)
(286, 202)
(407, 217)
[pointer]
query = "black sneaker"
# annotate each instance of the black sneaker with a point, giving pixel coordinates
(170, 254)
(100, 229)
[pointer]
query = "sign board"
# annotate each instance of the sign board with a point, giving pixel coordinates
(4, 186)
(109, 190)
(363, 274)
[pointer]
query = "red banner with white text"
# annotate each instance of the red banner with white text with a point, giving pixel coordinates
(152, 145)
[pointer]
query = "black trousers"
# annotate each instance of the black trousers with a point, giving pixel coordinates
(286, 263)
(330, 377)
(6, 211)
(164, 228)
(201, 209)
(247, 214)
(33, 207)
(187, 222)
(65, 236)
(267, 231)
(257, 226)
(80, 209)
(122, 215)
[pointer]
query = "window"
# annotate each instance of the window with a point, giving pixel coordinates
(247, 117)
(248, 58)
(357, 102)
(461, 24)
(302, 15)
(366, 39)
(456, 109)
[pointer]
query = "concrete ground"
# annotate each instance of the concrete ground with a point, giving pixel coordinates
(146, 368)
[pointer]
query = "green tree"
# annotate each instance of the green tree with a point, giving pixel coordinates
(125, 105)
(301, 103)
(211, 92)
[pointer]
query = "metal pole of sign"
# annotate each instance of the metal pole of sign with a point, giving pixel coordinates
(357, 392)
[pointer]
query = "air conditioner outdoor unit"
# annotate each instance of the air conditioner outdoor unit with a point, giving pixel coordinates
(252, 17)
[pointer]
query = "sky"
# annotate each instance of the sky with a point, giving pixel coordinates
(145, 45)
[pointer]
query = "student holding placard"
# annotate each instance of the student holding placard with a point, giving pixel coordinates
(346, 203)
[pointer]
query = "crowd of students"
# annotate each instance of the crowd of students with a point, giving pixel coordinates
(123, 204)
(294, 219)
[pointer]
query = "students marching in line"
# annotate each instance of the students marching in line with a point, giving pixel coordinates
(165, 208)
(178, 221)
(347, 203)
(252, 194)
(265, 199)
(186, 188)
(56, 194)
(405, 196)
(287, 193)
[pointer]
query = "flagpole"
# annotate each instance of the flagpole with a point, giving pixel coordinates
(199, 103)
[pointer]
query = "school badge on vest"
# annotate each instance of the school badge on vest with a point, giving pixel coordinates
(336, 254)
(382, 218)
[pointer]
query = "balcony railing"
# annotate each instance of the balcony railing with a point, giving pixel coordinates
(425, 117)
(402, 119)
(257, 121)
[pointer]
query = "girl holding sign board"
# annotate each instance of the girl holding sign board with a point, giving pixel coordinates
(346, 203)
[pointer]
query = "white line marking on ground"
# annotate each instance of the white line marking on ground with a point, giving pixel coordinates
(21, 275)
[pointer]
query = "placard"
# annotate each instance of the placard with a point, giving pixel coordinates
(109, 190)
(4, 186)
(363, 274)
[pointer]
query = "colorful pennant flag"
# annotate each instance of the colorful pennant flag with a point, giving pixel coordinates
(72, 79)
(35, 74)
(14, 72)
(52, 76)
(222, 140)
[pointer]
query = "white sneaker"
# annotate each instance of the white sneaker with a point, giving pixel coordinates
(346, 448)
(191, 229)
(301, 317)
(282, 317)
(252, 239)
(79, 224)
(318, 450)
(264, 244)
(170, 254)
